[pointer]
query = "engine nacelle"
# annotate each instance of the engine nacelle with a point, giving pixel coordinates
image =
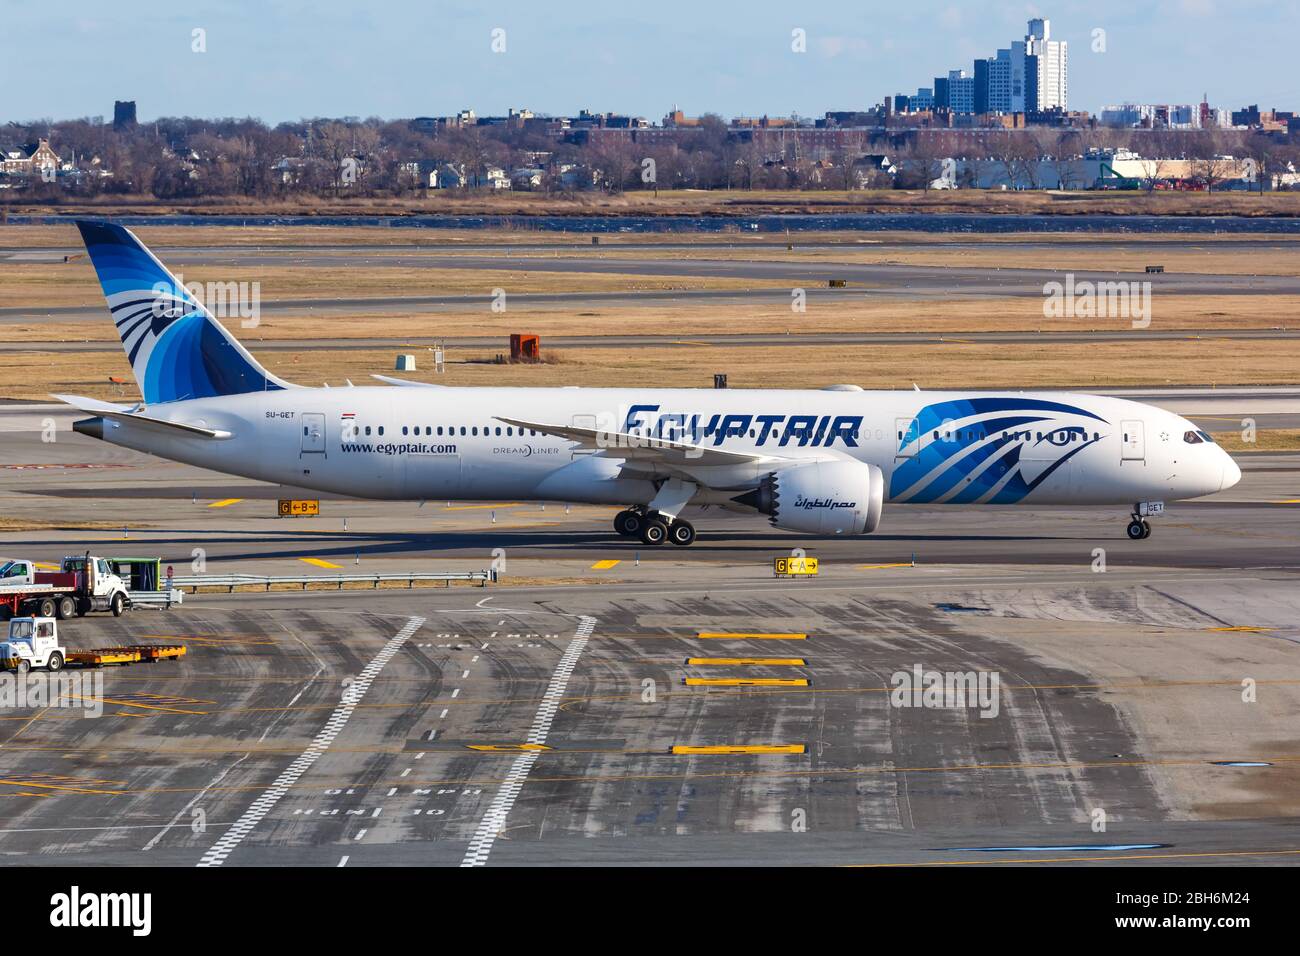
(823, 497)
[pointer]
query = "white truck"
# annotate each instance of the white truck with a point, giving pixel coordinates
(81, 585)
(32, 642)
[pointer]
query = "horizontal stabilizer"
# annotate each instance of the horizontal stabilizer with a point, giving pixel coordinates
(124, 413)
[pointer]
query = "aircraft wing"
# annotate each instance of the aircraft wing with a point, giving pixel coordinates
(129, 413)
(640, 448)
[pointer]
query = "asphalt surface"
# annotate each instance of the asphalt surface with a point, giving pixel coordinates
(534, 722)
(742, 340)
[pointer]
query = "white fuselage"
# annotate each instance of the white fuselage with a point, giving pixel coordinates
(933, 447)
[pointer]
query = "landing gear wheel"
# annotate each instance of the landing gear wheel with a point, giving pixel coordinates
(1137, 530)
(67, 607)
(654, 532)
(1146, 529)
(628, 523)
(681, 533)
(55, 663)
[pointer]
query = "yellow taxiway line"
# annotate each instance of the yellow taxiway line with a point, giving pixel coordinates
(745, 636)
(604, 565)
(724, 749)
(321, 563)
(225, 502)
(747, 661)
(745, 681)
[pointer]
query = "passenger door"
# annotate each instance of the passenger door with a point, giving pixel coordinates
(903, 430)
(1133, 441)
(313, 434)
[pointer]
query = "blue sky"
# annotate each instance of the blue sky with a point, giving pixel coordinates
(287, 59)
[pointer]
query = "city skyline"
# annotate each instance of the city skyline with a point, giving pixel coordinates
(344, 60)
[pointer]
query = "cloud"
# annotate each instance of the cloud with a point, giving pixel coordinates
(833, 46)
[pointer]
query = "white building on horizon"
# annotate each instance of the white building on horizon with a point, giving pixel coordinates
(1052, 81)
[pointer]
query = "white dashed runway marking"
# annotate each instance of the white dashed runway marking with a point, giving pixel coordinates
(494, 821)
(352, 696)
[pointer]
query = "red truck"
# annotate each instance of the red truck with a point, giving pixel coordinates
(81, 585)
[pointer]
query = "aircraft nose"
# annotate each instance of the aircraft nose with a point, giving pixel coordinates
(1231, 473)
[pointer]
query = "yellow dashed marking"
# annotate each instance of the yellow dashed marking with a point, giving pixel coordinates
(752, 661)
(512, 748)
(225, 502)
(874, 567)
(604, 565)
(745, 681)
(514, 504)
(744, 636)
(742, 749)
(320, 563)
(1244, 628)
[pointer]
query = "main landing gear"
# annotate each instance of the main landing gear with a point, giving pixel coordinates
(653, 528)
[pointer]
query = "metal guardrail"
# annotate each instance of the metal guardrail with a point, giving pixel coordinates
(192, 582)
(157, 599)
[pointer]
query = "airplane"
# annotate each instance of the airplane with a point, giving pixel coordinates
(819, 462)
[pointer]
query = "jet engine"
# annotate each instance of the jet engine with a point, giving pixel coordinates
(822, 497)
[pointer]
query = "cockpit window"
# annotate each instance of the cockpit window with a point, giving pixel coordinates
(1207, 436)
(1193, 438)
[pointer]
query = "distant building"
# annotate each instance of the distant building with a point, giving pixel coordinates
(961, 92)
(29, 160)
(123, 114)
(1049, 75)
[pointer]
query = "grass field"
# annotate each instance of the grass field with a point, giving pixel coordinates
(952, 364)
(720, 202)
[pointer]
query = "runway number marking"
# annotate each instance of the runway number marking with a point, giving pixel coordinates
(352, 696)
(494, 821)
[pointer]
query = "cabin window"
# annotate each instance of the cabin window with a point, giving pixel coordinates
(367, 429)
(381, 429)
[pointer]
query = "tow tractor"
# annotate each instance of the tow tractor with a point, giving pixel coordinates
(34, 642)
(81, 585)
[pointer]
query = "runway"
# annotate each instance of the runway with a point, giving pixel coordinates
(877, 280)
(546, 720)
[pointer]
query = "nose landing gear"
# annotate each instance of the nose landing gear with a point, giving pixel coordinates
(1138, 529)
(1138, 526)
(653, 528)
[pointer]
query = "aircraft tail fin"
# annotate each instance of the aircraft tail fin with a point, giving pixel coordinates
(176, 348)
